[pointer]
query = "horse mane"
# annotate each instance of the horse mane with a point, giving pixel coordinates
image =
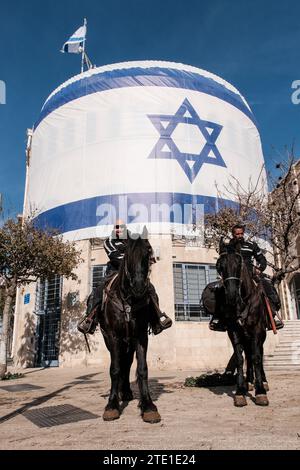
(137, 248)
(234, 246)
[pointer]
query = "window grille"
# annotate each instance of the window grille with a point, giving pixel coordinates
(189, 283)
(48, 309)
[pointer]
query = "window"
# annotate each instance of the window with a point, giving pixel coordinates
(189, 283)
(48, 295)
(98, 273)
(48, 309)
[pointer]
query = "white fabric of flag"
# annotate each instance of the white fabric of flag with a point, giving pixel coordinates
(75, 43)
(148, 140)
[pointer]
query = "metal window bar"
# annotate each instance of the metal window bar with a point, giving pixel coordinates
(48, 309)
(189, 283)
(98, 273)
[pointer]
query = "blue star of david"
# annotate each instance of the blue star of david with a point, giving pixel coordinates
(186, 114)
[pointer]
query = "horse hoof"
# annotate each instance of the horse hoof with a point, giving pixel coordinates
(111, 415)
(250, 387)
(266, 386)
(151, 417)
(240, 400)
(261, 400)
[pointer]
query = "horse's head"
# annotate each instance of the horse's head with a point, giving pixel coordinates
(229, 266)
(136, 264)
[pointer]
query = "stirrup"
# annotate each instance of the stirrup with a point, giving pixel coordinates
(87, 324)
(163, 323)
(216, 325)
(278, 323)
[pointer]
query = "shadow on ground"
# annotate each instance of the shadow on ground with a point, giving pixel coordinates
(156, 387)
(84, 379)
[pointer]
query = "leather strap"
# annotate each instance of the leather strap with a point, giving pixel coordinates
(107, 289)
(87, 343)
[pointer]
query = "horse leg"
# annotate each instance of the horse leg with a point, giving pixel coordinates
(264, 379)
(250, 372)
(112, 409)
(231, 366)
(127, 358)
(148, 409)
(241, 389)
(257, 358)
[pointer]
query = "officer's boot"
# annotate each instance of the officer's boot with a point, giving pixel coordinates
(278, 323)
(88, 322)
(216, 324)
(159, 320)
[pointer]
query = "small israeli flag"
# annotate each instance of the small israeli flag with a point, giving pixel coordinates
(75, 43)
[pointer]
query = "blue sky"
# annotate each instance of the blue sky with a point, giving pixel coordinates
(254, 44)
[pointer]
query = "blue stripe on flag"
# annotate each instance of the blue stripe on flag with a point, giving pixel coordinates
(76, 39)
(83, 214)
(137, 76)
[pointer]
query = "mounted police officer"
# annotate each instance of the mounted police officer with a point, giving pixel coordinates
(250, 251)
(115, 247)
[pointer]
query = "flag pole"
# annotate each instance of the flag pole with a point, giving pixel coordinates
(83, 47)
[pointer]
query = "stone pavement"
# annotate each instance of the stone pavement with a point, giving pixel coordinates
(61, 408)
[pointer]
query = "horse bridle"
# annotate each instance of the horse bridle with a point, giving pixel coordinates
(234, 277)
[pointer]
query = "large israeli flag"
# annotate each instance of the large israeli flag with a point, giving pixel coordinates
(75, 43)
(149, 142)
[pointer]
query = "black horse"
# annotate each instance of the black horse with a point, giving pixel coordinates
(243, 310)
(124, 324)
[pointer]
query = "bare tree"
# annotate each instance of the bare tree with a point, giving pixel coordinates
(273, 216)
(26, 255)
